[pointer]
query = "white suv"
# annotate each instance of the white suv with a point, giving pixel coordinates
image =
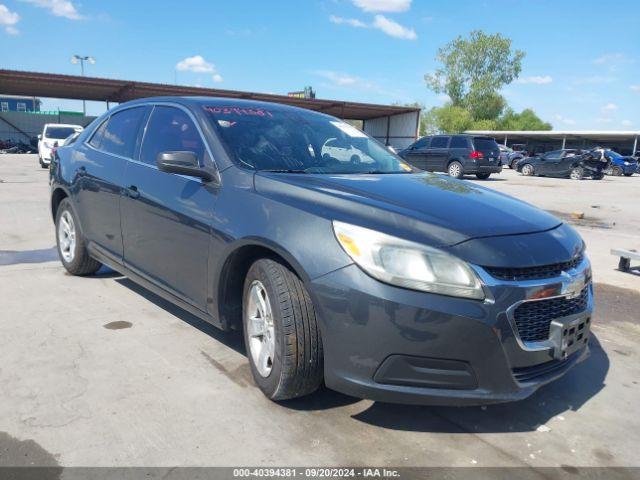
(53, 133)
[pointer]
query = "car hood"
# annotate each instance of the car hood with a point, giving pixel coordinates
(424, 207)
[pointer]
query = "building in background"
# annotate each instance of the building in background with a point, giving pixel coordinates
(14, 103)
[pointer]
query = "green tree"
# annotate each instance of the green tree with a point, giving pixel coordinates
(474, 69)
(447, 119)
(525, 120)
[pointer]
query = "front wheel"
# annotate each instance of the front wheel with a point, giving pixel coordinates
(483, 176)
(616, 171)
(577, 173)
(71, 243)
(455, 169)
(281, 332)
(527, 170)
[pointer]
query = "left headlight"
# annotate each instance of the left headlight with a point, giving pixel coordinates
(408, 264)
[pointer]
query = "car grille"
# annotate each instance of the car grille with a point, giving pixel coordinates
(533, 318)
(533, 273)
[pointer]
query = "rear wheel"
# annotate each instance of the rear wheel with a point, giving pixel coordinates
(455, 169)
(514, 163)
(483, 176)
(281, 332)
(577, 173)
(71, 243)
(527, 169)
(616, 171)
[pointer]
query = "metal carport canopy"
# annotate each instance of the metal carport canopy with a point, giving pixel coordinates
(35, 84)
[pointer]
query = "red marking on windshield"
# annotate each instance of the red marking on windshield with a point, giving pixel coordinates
(253, 112)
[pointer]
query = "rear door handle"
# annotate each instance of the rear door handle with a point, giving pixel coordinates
(132, 192)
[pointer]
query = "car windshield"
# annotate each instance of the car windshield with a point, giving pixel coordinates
(284, 140)
(612, 154)
(59, 133)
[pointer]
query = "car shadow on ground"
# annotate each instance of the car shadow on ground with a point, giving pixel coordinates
(570, 392)
(567, 393)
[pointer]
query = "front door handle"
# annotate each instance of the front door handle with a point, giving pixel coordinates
(132, 192)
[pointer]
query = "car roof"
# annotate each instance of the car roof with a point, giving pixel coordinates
(222, 101)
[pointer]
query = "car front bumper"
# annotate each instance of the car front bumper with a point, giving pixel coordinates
(395, 345)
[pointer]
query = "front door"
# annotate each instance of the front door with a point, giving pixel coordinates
(417, 154)
(166, 217)
(438, 154)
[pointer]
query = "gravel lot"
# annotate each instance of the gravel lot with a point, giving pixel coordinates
(99, 372)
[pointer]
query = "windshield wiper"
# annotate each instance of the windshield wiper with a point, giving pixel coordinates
(282, 170)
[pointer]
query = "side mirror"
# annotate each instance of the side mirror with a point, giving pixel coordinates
(182, 163)
(39, 136)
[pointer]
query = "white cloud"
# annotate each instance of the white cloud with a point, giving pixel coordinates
(565, 120)
(59, 8)
(8, 20)
(609, 107)
(383, 5)
(347, 21)
(195, 64)
(217, 78)
(610, 58)
(339, 79)
(626, 123)
(535, 79)
(635, 88)
(393, 29)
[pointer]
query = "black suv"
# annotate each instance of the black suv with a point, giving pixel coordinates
(458, 155)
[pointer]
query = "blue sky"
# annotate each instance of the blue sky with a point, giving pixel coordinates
(582, 69)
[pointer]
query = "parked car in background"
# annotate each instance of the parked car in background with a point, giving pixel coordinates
(567, 163)
(52, 136)
(458, 155)
(621, 165)
(371, 277)
(509, 157)
(70, 140)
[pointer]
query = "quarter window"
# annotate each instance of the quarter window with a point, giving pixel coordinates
(170, 129)
(459, 142)
(96, 139)
(439, 142)
(119, 137)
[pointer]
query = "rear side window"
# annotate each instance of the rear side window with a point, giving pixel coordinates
(485, 144)
(439, 142)
(459, 142)
(120, 135)
(170, 129)
(96, 138)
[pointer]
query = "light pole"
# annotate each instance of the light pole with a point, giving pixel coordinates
(80, 58)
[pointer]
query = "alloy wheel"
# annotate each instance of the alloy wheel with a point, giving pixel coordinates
(260, 330)
(454, 170)
(67, 236)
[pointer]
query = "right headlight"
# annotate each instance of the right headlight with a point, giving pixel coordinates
(407, 264)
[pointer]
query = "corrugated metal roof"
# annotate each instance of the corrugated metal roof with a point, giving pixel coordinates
(558, 134)
(104, 89)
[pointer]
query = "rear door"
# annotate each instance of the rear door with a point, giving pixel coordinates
(550, 164)
(438, 154)
(416, 155)
(489, 149)
(100, 165)
(166, 217)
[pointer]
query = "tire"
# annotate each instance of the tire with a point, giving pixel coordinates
(455, 169)
(514, 163)
(576, 173)
(71, 243)
(628, 174)
(528, 170)
(598, 176)
(293, 364)
(41, 162)
(483, 176)
(616, 171)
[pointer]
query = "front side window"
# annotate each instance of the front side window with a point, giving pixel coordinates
(170, 129)
(281, 139)
(422, 143)
(121, 131)
(439, 142)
